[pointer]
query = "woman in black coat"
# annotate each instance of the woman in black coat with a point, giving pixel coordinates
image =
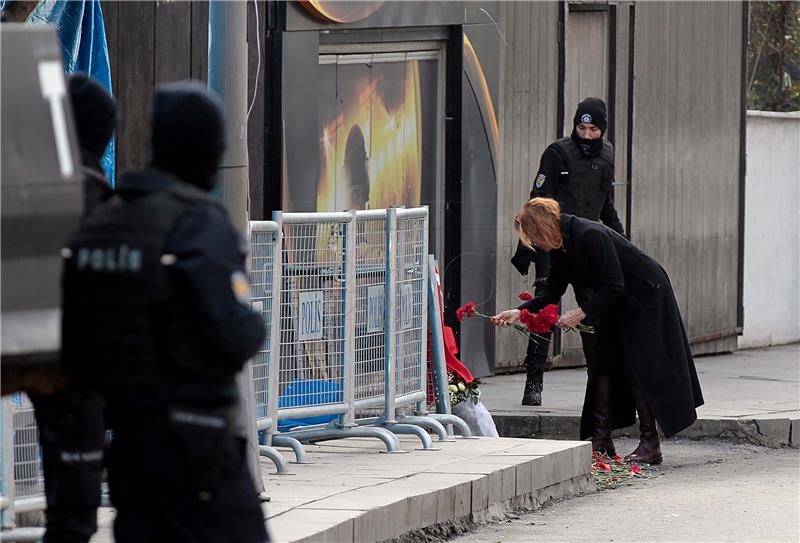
(642, 360)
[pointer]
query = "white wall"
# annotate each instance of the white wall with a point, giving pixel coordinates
(772, 230)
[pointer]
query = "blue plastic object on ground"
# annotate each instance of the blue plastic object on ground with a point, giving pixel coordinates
(308, 392)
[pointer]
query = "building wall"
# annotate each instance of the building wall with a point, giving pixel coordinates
(686, 161)
(527, 117)
(772, 230)
(150, 43)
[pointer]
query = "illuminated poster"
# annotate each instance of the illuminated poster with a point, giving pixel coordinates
(376, 139)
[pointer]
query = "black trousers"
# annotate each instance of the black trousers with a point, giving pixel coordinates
(153, 487)
(72, 438)
(536, 354)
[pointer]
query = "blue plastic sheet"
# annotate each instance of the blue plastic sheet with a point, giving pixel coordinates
(82, 34)
(308, 392)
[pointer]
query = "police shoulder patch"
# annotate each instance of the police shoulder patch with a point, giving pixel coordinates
(240, 287)
(540, 179)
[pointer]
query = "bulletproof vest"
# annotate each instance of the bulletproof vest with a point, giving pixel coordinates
(586, 181)
(119, 302)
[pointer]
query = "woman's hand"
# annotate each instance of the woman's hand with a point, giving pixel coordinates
(571, 319)
(506, 318)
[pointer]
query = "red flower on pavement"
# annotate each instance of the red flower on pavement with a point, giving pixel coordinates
(616, 458)
(525, 296)
(466, 311)
(602, 466)
(636, 470)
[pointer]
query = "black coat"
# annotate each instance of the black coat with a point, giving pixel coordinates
(639, 329)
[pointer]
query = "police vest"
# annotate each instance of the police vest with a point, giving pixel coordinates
(122, 316)
(586, 181)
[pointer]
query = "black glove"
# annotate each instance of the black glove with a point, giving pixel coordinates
(521, 259)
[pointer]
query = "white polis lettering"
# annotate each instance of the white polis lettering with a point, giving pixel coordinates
(110, 259)
(406, 306)
(311, 315)
(376, 308)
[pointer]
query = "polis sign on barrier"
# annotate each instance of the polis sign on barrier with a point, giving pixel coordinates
(406, 306)
(311, 314)
(376, 308)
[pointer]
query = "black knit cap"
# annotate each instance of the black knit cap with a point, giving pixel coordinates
(591, 111)
(95, 113)
(188, 132)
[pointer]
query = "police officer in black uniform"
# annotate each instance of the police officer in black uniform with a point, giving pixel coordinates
(578, 172)
(156, 316)
(70, 420)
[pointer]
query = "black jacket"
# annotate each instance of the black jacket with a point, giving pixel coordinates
(637, 322)
(549, 183)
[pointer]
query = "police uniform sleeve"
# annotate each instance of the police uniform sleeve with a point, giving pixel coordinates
(209, 271)
(602, 261)
(608, 215)
(543, 185)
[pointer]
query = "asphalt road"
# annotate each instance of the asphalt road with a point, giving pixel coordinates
(705, 491)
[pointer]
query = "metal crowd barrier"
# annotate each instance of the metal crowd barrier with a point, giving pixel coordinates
(349, 296)
(21, 475)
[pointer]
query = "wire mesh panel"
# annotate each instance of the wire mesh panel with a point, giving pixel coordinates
(411, 301)
(28, 477)
(370, 308)
(262, 268)
(312, 353)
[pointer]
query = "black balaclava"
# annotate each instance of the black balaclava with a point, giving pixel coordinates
(95, 113)
(590, 111)
(188, 132)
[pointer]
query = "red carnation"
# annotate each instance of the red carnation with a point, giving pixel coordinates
(636, 470)
(601, 466)
(466, 311)
(525, 296)
(544, 320)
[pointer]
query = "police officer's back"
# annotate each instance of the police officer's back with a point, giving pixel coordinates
(156, 315)
(70, 420)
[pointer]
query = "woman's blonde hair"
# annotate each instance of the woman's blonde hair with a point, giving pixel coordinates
(539, 220)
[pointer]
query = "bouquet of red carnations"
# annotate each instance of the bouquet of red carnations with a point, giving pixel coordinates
(532, 324)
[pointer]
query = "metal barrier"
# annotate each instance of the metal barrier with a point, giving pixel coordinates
(317, 323)
(21, 475)
(348, 354)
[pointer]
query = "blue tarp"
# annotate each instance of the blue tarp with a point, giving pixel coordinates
(308, 392)
(82, 34)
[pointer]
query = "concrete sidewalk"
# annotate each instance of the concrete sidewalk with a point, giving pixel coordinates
(751, 395)
(353, 492)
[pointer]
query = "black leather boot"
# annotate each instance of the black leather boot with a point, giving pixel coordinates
(534, 385)
(649, 449)
(601, 411)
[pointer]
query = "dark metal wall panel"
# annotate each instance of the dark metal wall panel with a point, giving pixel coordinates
(134, 56)
(527, 115)
(172, 37)
(255, 96)
(686, 158)
(151, 43)
(199, 43)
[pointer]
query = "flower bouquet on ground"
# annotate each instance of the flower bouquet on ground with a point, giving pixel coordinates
(465, 403)
(461, 389)
(611, 472)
